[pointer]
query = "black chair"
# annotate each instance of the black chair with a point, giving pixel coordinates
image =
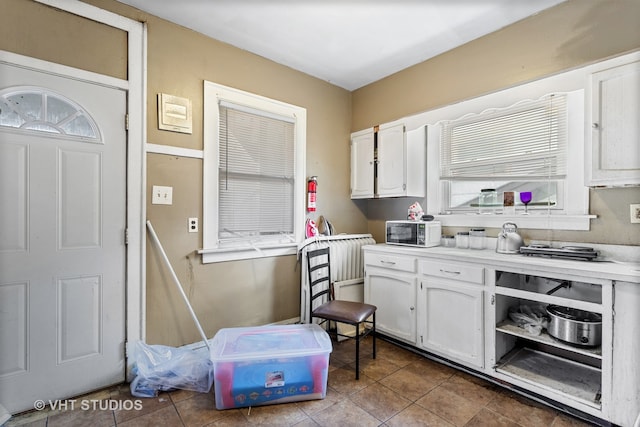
(329, 309)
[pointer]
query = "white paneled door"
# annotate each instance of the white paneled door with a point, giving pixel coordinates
(62, 225)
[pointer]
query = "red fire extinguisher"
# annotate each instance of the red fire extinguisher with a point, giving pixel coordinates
(312, 188)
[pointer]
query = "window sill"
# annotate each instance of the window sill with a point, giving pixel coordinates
(532, 221)
(237, 254)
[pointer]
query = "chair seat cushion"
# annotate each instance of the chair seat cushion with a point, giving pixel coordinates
(345, 311)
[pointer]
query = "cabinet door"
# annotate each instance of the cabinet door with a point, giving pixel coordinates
(614, 154)
(392, 171)
(453, 321)
(362, 147)
(395, 296)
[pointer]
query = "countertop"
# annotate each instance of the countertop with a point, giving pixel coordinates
(606, 268)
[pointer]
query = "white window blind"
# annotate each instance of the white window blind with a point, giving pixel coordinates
(256, 175)
(527, 140)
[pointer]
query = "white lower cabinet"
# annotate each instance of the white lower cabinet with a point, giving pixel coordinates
(450, 315)
(390, 284)
(451, 324)
(394, 293)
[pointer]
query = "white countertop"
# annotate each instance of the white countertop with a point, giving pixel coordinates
(607, 268)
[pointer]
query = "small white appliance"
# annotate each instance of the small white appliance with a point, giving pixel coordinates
(424, 234)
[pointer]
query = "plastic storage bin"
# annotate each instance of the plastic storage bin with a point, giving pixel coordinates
(270, 364)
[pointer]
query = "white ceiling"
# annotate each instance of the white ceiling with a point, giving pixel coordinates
(349, 43)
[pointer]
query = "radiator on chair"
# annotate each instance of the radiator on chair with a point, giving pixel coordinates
(347, 267)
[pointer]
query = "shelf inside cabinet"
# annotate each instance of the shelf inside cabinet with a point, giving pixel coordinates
(509, 327)
(572, 379)
(550, 299)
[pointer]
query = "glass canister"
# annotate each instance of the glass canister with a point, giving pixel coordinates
(477, 238)
(462, 239)
(448, 241)
(488, 201)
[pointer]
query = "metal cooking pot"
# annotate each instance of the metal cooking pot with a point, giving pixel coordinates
(576, 327)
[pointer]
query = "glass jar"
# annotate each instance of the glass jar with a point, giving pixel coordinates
(462, 240)
(448, 241)
(488, 201)
(477, 238)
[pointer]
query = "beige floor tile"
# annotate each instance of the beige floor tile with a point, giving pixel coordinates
(310, 407)
(417, 416)
(231, 418)
(523, 411)
(285, 414)
(144, 405)
(396, 355)
(375, 369)
(380, 401)
(486, 418)
(166, 417)
(345, 414)
(567, 421)
(80, 417)
(410, 384)
(343, 380)
(198, 410)
(449, 405)
(476, 392)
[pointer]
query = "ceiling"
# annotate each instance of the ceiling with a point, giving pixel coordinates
(349, 43)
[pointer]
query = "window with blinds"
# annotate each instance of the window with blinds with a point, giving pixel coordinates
(256, 175)
(253, 175)
(525, 141)
(520, 148)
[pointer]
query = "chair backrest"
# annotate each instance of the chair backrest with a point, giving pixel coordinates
(319, 276)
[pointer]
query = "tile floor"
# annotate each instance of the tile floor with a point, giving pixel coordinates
(398, 388)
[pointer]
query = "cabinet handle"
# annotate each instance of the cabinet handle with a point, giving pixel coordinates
(595, 125)
(449, 272)
(388, 262)
(411, 308)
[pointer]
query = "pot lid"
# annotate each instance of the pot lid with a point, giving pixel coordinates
(574, 314)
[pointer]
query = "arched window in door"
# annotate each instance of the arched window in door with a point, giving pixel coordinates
(38, 109)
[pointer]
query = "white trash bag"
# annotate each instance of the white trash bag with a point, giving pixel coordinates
(162, 368)
(532, 319)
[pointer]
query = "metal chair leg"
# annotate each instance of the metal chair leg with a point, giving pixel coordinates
(373, 334)
(358, 351)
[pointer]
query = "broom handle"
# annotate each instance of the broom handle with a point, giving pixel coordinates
(177, 282)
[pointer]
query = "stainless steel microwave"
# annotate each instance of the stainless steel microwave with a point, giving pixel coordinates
(414, 233)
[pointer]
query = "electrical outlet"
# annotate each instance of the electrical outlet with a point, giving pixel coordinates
(162, 195)
(634, 213)
(193, 225)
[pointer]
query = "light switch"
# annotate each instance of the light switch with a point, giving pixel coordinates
(162, 195)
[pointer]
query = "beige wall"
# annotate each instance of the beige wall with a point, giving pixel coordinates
(31, 29)
(570, 35)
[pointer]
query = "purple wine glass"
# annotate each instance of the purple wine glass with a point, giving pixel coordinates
(525, 198)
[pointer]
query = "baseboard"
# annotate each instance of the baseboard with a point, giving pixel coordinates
(291, 321)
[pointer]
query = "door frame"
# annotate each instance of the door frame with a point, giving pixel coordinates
(135, 85)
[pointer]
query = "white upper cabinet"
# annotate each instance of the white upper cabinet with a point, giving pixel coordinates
(362, 164)
(388, 162)
(613, 143)
(392, 170)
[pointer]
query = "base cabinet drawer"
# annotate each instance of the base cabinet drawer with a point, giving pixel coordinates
(392, 262)
(453, 271)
